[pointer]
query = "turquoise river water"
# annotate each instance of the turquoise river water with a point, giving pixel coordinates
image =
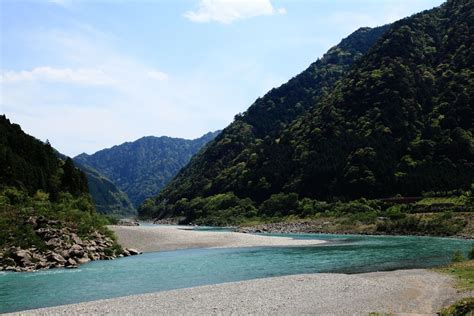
(161, 271)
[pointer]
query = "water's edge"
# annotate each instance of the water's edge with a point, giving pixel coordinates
(161, 271)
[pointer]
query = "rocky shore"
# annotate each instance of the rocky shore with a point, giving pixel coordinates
(289, 227)
(327, 226)
(61, 246)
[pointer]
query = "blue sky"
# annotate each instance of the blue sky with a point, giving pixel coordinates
(87, 75)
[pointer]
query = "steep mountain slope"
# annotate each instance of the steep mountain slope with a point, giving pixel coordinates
(107, 198)
(47, 218)
(141, 168)
(30, 165)
(397, 120)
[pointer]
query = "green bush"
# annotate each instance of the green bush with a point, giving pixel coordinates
(471, 254)
(457, 256)
(76, 212)
(464, 307)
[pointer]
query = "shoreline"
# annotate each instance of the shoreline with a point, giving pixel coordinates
(315, 227)
(165, 238)
(417, 291)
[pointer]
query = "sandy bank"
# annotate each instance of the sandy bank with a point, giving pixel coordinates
(159, 238)
(404, 291)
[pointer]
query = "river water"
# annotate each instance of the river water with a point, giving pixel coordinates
(161, 271)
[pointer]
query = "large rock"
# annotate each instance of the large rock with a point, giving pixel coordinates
(133, 252)
(54, 242)
(76, 251)
(83, 260)
(56, 258)
(76, 239)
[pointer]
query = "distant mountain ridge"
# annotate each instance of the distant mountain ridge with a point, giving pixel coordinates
(142, 167)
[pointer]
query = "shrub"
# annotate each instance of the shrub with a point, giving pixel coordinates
(457, 256)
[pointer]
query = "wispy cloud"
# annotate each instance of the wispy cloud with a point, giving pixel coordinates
(228, 11)
(157, 75)
(81, 76)
(98, 96)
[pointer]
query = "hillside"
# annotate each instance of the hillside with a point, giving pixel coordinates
(395, 117)
(141, 168)
(107, 198)
(47, 218)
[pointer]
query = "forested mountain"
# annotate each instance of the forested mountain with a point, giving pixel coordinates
(141, 168)
(388, 111)
(45, 207)
(30, 165)
(107, 197)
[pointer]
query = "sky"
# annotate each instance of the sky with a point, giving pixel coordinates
(90, 74)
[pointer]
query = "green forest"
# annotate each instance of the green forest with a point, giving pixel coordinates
(386, 112)
(139, 168)
(35, 183)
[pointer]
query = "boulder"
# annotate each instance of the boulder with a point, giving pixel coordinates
(31, 221)
(83, 260)
(55, 257)
(71, 262)
(76, 251)
(133, 252)
(76, 239)
(54, 242)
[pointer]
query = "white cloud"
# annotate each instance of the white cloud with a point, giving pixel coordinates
(127, 100)
(82, 76)
(157, 75)
(228, 11)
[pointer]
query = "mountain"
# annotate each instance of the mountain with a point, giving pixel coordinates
(107, 197)
(46, 213)
(387, 111)
(31, 165)
(141, 168)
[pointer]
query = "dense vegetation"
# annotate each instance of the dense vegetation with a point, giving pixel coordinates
(388, 111)
(141, 168)
(30, 165)
(107, 198)
(16, 207)
(35, 183)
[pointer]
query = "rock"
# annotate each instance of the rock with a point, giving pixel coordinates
(133, 252)
(76, 239)
(83, 260)
(55, 242)
(57, 258)
(76, 251)
(20, 253)
(31, 221)
(71, 262)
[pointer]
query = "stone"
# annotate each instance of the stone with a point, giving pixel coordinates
(55, 242)
(57, 258)
(31, 221)
(76, 239)
(71, 262)
(76, 251)
(133, 252)
(83, 260)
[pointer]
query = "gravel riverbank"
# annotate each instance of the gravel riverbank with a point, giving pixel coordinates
(160, 238)
(403, 291)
